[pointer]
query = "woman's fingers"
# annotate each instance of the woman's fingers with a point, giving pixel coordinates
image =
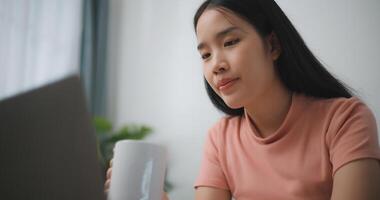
(165, 196)
(108, 177)
(107, 185)
(109, 173)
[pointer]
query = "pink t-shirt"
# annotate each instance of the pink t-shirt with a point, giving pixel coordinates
(299, 160)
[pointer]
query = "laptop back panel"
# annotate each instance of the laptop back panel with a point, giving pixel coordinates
(48, 146)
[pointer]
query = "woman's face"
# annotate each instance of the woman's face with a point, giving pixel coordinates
(236, 62)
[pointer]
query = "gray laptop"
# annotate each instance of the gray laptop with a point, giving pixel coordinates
(48, 146)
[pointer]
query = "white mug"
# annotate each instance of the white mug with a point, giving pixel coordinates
(138, 171)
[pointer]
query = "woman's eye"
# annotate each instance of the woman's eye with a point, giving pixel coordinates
(205, 56)
(231, 42)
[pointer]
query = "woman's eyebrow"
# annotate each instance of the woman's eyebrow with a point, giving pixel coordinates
(220, 34)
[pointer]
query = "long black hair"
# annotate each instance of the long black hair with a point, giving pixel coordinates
(299, 70)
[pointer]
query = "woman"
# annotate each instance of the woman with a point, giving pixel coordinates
(292, 130)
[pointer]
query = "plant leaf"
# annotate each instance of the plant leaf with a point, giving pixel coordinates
(131, 132)
(120, 135)
(102, 125)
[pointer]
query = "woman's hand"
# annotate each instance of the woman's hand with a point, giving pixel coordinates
(108, 182)
(108, 178)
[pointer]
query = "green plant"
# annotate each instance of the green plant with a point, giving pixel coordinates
(107, 137)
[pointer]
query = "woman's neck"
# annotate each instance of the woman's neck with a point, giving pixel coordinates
(268, 112)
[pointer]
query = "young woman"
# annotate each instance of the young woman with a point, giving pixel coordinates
(291, 131)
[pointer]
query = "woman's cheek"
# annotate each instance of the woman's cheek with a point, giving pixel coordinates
(207, 72)
(210, 82)
(238, 56)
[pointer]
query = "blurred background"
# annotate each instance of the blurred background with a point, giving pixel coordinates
(139, 64)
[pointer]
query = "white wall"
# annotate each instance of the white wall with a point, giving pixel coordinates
(39, 42)
(155, 72)
(156, 79)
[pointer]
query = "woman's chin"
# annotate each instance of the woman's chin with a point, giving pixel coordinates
(233, 105)
(233, 101)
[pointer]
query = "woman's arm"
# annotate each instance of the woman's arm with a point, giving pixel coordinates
(210, 193)
(357, 180)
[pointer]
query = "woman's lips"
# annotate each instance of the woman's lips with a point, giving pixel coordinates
(226, 84)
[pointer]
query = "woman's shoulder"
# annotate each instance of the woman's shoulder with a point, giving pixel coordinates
(338, 111)
(222, 130)
(226, 124)
(337, 105)
(227, 121)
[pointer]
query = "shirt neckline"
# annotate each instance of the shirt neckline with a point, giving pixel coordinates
(282, 130)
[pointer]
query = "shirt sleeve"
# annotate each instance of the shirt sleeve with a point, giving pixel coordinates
(211, 173)
(354, 134)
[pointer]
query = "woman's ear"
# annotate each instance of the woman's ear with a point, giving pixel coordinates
(274, 46)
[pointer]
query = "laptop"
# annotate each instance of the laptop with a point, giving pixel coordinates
(48, 146)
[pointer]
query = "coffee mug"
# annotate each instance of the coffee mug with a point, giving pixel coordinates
(138, 171)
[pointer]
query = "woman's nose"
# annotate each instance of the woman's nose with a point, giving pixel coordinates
(220, 64)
